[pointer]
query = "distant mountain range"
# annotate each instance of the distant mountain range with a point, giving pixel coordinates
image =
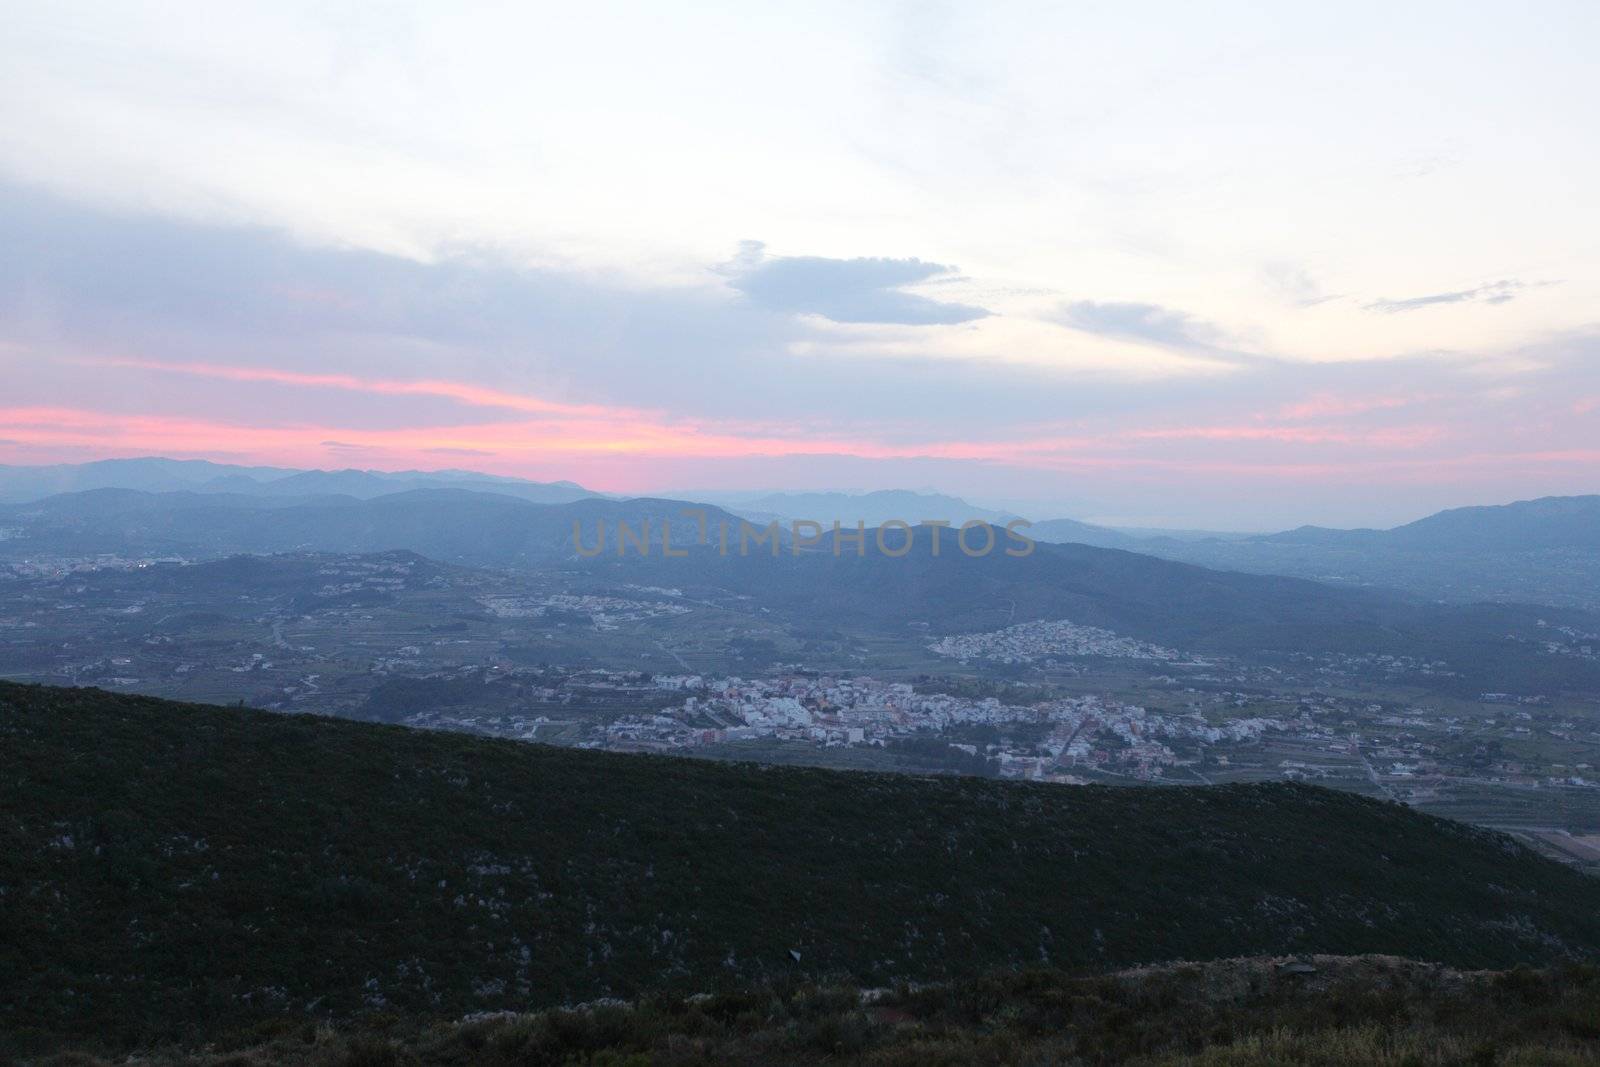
(1545, 523)
(1174, 604)
(1536, 551)
(485, 528)
(1552, 522)
(892, 505)
(873, 509)
(1071, 531)
(155, 474)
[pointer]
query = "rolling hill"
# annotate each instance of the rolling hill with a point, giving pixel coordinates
(1544, 551)
(171, 872)
(1553, 522)
(1493, 647)
(1191, 608)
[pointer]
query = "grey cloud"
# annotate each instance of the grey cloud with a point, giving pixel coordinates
(1294, 285)
(1150, 323)
(86, 282)
(93, 282)
(1492, 293)
(846, 290)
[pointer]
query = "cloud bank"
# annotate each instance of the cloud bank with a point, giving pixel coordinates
(1500, 292)
(124, 335)
(1149, 324)
(862, 290)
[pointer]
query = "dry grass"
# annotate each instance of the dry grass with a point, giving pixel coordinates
(1372, 1010)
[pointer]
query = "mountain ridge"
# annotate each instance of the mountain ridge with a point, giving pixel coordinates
(202, 867)
(1174, 603)
(1538, 523)
(24, 484)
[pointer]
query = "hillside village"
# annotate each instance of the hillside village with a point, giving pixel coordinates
(1047, 640)
(1085, 731)
(1195, 730)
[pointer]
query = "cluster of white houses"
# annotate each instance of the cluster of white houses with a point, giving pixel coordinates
(1083, 731)
(1032, 642)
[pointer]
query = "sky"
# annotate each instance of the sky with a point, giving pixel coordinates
(1224, 266)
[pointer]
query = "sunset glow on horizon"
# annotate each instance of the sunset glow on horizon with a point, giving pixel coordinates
(865, 247)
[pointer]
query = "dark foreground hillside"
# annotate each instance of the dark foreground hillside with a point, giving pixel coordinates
(1327, 1011)
(173, 872)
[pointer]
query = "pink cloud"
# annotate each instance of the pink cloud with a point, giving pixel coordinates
(566, 445)
(473, 395)
(1329, 405)
(534, 435)
(1402, 437)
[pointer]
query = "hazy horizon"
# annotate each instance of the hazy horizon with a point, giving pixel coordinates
(1034, 510)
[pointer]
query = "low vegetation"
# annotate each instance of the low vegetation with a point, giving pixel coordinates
(1333, 1011)
(171, 873)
